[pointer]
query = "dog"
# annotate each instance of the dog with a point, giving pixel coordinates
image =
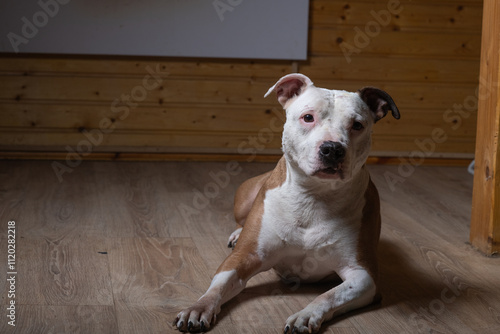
(317, 206)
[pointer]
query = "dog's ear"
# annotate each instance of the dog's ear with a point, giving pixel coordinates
(289, 86)
(379, 102)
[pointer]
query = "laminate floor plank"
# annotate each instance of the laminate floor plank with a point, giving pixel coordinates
(56, 210)
(152, 279)
(41, 319)
(430, 200)
(156, 271)
(442, 266)
(127, 193)
(63, 272)
(12, 190)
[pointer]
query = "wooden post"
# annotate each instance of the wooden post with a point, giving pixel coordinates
(485, 220)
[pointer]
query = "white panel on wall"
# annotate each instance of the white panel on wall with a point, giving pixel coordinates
(265, 29)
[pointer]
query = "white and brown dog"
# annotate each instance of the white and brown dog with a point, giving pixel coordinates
(317, 206)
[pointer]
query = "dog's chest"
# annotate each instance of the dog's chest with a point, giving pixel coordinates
(295, 220)
(309, 238)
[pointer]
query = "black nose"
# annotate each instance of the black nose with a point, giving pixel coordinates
(331, 151)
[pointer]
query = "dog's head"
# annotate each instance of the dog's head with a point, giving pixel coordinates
(327, 133)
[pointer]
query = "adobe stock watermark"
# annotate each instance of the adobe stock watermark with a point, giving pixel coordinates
(426, 319)
(11, 273)
(453, 118)
(31, 27)
(121, 108)
(221, 179)
(372, 29)
(223, 6)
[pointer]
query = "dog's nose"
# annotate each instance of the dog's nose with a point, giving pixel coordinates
(331, 151)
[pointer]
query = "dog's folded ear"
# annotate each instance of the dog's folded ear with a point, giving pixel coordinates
(379, 102)
(289, 86)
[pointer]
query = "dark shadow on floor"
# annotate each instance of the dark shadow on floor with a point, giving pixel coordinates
(398, 283)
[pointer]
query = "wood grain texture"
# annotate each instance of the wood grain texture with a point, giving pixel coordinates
(55, 272)
(465, 45)
(244, 92)
(367, 67)
(136, 67)
(485, 222)
(414, 16)
(426, 56)
(39, 125)
(121, 247)
(63, 319)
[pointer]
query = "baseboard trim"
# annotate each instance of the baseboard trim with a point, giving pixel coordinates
(216, 157)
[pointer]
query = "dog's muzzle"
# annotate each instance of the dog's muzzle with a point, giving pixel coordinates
(332, 156)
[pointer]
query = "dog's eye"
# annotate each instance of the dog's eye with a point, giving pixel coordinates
(357, 126)
(308, 118)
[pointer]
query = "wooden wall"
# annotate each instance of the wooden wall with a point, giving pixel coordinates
(425, 54)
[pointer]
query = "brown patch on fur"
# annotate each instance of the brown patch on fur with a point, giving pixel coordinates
(244, 258)
(370, 232)
(245, 196)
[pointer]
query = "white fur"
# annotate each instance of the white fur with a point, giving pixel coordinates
(300, 229)
(334, 113)
(227, 284)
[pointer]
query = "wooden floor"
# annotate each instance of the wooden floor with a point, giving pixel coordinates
(121, 247)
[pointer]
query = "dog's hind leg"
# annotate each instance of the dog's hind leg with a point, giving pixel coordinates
(243, 202)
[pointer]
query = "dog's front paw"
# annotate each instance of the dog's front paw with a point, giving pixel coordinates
(197, 318)
(305, 321)
(233, 238)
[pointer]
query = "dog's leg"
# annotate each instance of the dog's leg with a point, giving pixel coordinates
(245, 196)
(357, 290)
(230, 279)
(243, 202)
(202, 314)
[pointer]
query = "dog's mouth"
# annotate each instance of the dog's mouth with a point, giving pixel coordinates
(330, 172)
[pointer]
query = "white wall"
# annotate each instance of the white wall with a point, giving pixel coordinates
(269, 29)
